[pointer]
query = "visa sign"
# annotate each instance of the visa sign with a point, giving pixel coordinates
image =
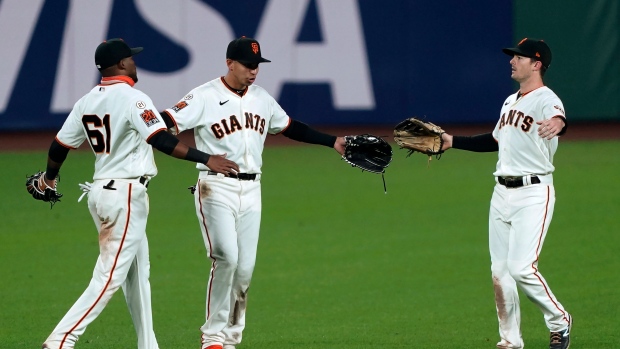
(340, 60)
(334, 62)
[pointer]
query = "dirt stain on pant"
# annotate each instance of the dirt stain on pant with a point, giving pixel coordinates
(104, 237)
(239, 308)
(500, 301)
(205, 190)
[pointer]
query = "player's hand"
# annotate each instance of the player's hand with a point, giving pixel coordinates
(447, 141)
(339, 145)
(550, 128)
(219, 164)
(46, 183)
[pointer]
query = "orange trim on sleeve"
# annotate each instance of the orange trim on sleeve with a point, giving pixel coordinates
(64, 145)
(153, 134)
(287, 125)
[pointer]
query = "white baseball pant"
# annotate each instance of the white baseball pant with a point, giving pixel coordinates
(120, 214)
(518, 222)
(229, 213)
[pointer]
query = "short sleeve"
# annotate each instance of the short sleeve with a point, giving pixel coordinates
(553, 107)
(72, 132)
(145, 118)
(187, 113)
(279, 119)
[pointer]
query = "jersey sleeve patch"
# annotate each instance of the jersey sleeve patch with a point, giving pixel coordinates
(179, 106)
(140, 105)
(149, 118)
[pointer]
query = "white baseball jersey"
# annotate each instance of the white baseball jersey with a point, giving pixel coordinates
(226, 123)
(116, 119)
(519, 218)
(521, 150)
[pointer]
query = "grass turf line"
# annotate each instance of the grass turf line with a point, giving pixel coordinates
(340, 263)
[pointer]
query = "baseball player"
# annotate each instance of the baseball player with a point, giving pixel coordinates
(119, 122)
(524, 197)
(230, 115)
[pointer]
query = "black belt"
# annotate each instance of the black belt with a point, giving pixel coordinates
(239, 176)
(515, 182)
(144, 181)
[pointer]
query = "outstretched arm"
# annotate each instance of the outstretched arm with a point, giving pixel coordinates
(301, 132)
(169, 144)
(481, 143)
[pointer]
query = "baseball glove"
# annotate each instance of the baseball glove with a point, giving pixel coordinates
(368, 152)
(39, 190)
(416, 135)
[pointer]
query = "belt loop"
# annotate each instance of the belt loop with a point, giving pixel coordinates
(144, 181)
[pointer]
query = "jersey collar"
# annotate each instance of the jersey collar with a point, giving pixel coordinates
(111, 80)
(235, 91)
(520, 94)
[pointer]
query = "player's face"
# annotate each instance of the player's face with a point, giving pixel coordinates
(243, 74)
(522, 68)
(130, 68)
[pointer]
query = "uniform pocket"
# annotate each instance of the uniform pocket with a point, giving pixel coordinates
(110, 202)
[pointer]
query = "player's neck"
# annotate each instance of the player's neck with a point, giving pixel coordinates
(530, 85)
(233, 84)
(111, 80)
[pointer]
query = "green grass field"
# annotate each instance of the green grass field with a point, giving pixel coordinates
(340, 263)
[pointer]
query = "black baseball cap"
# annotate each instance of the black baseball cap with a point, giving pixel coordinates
(532, 48)
(245, 50)
(111, 51)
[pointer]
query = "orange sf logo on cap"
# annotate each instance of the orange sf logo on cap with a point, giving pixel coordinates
(520, 42)
(255, 48)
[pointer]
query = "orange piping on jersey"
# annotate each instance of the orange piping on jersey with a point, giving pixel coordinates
(232, 89)
(210, 251)
(111, 80)
(64, 145)
(287, 125)
(540, 237)
(153, 134)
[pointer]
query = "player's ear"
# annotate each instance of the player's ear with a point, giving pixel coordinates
(229, 63)
(122, 64)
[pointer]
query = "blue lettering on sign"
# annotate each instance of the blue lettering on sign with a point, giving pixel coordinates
(333, 62)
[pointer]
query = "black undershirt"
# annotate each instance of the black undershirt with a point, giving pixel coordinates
(301, 132)
(57, 153)
(482, 143)
(166, 143)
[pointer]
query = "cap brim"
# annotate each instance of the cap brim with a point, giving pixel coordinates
(261, 60)
(515, 51)
(136, 50)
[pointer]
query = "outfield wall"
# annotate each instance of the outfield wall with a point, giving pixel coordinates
(585, 38)
(334, 62)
